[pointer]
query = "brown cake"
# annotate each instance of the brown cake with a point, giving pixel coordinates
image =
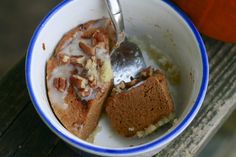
(139, 107)
(79, 75)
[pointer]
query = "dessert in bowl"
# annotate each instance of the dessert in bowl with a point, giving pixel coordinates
(170, 42)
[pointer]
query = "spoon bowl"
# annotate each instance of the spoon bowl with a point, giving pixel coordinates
(127, 59)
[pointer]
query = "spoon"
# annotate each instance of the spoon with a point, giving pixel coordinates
(127, 59)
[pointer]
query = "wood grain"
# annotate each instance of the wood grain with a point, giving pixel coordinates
(219, 103)
(13, 95)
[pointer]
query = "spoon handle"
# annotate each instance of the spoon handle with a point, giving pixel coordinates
(116, 15)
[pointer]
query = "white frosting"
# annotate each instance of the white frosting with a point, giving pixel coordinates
(91, 96)
(102, 54)
(56, 96)
(71, 48)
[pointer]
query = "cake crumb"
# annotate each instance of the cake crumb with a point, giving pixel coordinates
(131, 129)
(43, 46)
(92, 136)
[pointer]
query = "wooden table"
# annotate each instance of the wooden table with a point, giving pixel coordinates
(23, 134)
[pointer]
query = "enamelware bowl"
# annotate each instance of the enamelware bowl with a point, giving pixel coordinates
(167, 28)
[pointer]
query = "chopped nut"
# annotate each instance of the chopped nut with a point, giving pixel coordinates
(63, 59)
(93, 58)
(85, 26)
(60, 84)
(116, 90)
(92, 81)
(102, 90)
(132, 83)
(99, 36)
(99, 39)
(93, 84)
(87, 49)
(79, 60)
(147, 72)
(85, 92)
(74, 72)
(79, 82)
(88, 34)
(121, 85)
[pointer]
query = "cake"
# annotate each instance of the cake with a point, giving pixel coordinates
(139, 107)
(79, 75)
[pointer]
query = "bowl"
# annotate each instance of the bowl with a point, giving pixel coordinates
(160, 23)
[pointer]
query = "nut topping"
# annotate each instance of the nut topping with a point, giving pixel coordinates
(147, 72)
(85, 92)
(79, 82)
(99, 39)
(86, 26)
(121, 85)
(93, 84)
(88, 34)
(63, 59)
(80, 60)
(60, 84)
(91, 78)
(92, 81)
(132, 83)
(87, 49)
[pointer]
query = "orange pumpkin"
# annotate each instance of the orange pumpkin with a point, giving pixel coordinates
(214, 18)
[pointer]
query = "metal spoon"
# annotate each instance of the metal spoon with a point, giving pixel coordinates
(127, 60)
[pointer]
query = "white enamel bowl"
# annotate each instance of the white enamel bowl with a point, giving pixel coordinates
(171, 31)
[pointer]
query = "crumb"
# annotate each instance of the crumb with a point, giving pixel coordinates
(44, 46)
(92, 136)
(191, 76)
(131, 129)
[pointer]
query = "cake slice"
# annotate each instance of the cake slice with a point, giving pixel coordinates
(139, 107)
(79, 75)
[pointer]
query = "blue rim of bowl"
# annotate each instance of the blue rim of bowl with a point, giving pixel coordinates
(133, 150)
